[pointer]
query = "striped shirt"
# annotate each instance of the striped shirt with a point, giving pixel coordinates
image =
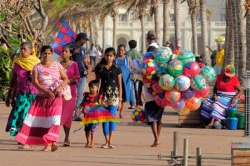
(47, 76)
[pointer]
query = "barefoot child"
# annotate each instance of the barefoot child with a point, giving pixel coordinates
(110, 76)
(90, 98)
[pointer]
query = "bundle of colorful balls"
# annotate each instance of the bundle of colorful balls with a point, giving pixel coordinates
(179, 83)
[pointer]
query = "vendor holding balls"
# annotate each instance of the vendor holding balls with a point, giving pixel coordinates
(227, 90)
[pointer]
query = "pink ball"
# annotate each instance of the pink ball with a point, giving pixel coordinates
(161, 101)
(148, 78)
(156, 87)
(202, 93)
(178, 105)
(191, 69)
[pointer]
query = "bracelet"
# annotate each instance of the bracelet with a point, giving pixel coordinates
(61, 85)
(120, 99)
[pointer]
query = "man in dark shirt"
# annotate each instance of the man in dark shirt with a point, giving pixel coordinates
(79, 57)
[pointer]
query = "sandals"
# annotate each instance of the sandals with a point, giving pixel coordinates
(155, 144)
(54, 147)
(46, 149)
(105, 147)
(132, 107)
(24, 147)
(66, 144)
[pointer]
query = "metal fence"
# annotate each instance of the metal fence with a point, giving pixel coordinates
(247, 105)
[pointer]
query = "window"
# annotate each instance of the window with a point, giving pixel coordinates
(122, 17)
(223, 17)
(148, 18)
(171, 17)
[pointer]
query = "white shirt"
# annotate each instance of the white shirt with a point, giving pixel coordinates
(92, 52)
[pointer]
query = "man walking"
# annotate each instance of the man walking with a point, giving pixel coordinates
(79, 57)
(134, 54)
(219, 60)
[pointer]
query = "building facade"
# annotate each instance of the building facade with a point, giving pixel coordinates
(130, 28)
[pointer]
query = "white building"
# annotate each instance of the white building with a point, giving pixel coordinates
(129, 28)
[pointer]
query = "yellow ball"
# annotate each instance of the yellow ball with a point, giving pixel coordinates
(150, 64)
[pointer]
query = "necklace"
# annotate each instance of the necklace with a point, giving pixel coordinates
(66, 64)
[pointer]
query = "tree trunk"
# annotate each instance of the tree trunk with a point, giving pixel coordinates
(248, 41)
(91, 32)
(230, 52)
(156, 19)
(203, 16)
(226, 47)
(242, 39)
(236, 32)
(166, 4)
(114, 31)
(143, 46)
(103, 36)
(194, 34)
(177, 22)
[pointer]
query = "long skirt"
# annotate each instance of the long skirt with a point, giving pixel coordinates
(216, 109)
(67, 112)
(22, 105)
(42, 123)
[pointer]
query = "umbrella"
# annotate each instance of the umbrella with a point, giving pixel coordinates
(97, 114)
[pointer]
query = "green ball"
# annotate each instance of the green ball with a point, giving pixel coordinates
(186, 56)
(163, 55)
(208, 73)
(166, 82)
(175, 67)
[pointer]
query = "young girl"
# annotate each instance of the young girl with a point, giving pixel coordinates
(111, 88)
(122, 61)
(89, 101)
(72, 71)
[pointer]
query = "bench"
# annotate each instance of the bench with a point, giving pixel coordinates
(193, 118)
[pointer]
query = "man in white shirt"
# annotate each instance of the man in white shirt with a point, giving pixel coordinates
(153, 113)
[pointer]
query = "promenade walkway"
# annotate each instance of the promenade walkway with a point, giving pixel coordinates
(132, 145)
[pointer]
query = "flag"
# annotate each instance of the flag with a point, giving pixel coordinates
(65, 36)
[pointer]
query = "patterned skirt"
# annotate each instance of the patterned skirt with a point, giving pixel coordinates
(216, 108)
(22, 105)
(42, 123)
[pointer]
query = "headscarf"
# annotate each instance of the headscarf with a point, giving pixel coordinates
(29, 62)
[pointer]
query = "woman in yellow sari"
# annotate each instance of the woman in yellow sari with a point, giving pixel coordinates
(25, 91)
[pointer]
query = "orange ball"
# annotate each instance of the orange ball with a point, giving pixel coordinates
(193, 103)
(172, 95)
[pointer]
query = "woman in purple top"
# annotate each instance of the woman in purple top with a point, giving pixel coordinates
(25, 90)
(72, 71)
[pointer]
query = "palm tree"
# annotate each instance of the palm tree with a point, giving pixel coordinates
(242, 39)
(193, 7)
(177, 22)
(235, 29)
(166, 4)
(114, 16)
(248, 42)
(155, 11)
(229, 54)
(203, 17)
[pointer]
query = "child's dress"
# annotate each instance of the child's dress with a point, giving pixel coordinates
(89, 101)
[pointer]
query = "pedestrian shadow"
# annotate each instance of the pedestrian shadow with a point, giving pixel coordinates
(169, 125)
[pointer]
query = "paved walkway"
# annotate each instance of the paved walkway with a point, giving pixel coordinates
(132, 145)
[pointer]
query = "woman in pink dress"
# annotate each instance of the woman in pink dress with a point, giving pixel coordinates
(72, 71)
(42, 123)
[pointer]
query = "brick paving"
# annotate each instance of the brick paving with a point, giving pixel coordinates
(132, 145)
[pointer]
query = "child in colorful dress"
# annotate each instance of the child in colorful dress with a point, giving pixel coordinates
(90, 98)
(110, 76)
